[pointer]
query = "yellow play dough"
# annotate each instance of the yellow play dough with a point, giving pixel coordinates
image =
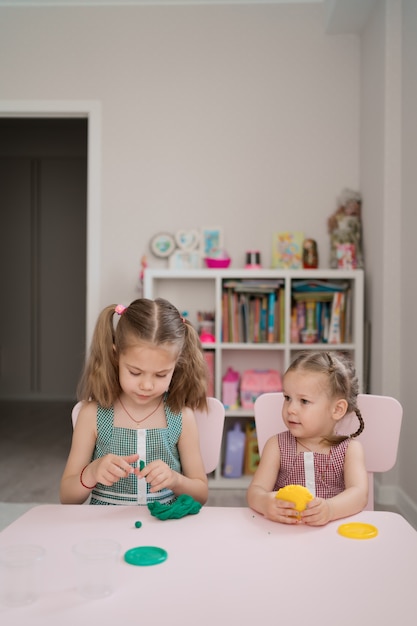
(295, 493)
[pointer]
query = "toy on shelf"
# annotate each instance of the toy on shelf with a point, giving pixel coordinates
(252, 456)
(253, 260)
(345, 228)
(256, 382)
(218, 258)
(230, 389)
(235, 450)
(310, 254)
(205, 320)
(143, 266)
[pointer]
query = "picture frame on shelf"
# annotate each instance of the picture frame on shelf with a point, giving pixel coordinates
(287, 250)
(185, 260)
(212, 238)
(188, 239)
(162, 245)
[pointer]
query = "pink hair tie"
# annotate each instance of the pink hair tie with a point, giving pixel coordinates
(120, 309)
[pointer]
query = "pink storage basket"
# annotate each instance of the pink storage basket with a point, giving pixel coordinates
(256, 382)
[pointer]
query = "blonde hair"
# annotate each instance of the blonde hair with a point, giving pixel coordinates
(153, 322)
(341, 378)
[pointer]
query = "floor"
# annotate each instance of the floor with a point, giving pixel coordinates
(35, 439)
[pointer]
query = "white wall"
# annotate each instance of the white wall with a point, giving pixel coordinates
(407, 459)
(388, 183)
(244, 117)
(380, 184)
(251, 118)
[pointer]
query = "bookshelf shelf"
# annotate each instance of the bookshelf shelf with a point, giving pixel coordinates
(193, 291)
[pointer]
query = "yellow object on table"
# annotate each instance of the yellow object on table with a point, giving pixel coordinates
(295, 493)
(358, 530)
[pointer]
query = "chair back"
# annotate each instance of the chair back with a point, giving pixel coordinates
(210, 425)
(382, 416)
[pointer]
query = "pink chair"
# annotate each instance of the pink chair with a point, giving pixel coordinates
(210, 425)
(380, 438)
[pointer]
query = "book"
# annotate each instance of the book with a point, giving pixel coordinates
(209, 359)
(225, 317)
(271, 317)
(244, 312)
(263, 322)
(310, 315)
(318, 286)
(254, 286)
(281, 338)
(287, 250)
(335, 328)
(310, 296)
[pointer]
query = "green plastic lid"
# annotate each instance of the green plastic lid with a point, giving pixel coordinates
(146, 555)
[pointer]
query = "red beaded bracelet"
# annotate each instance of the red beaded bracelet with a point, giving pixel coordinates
(81, 478)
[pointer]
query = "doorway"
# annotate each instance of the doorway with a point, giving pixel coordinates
(43, 253)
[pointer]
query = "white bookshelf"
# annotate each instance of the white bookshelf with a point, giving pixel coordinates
(201, 290)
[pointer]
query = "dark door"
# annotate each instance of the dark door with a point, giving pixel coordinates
(43, 208)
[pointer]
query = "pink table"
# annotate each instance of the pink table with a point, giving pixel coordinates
(225, 567)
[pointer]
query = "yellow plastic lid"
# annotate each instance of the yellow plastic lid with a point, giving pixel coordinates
(358, 530)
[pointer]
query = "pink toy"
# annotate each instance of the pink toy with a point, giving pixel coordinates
(230, 389)
(256, 382)
(207, 337)
(217, 263)
(218, 258)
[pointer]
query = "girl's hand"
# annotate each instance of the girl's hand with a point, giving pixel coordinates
(317, 513)
(279, 510)
(111, 468)
(159, 475)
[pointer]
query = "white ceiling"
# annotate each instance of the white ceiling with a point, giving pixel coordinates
(145, 2)
(342, 16)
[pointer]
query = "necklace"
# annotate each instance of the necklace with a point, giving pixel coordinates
(143, 418)
(307, 448)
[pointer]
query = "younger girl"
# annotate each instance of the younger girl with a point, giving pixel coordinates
(319, 389)
(136, 438)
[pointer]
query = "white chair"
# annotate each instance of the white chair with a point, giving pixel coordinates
(382, 416)
(210, 425)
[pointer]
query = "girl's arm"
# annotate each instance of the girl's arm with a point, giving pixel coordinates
(193, 479)
(260, 494)
(82, 447)
(106, 470)
(352, 500)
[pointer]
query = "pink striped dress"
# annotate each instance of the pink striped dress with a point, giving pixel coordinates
(328, 468)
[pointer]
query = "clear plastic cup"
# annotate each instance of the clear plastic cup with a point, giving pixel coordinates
(20, 569)
(95, 561)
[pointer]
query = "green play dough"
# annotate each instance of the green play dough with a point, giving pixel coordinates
(182, 506)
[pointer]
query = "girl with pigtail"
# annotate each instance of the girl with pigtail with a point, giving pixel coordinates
(319, 389)
(136, 440)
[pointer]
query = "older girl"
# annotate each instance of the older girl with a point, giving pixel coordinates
(136, 439)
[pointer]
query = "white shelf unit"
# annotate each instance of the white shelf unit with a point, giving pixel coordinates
(201, 290)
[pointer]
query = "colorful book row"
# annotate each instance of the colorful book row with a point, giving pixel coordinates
(323, 320)
(253, 311)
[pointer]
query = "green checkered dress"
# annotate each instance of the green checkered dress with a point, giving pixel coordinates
(151, 444)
